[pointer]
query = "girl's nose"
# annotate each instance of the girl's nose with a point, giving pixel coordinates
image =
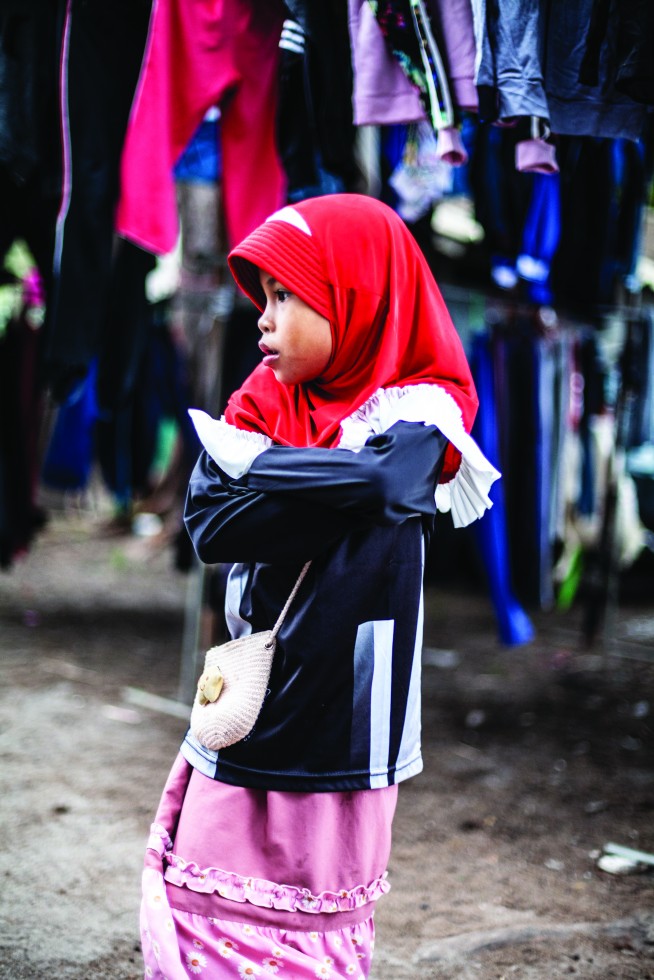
(264, 323)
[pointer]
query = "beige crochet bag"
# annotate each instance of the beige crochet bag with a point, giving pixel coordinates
(232, 688)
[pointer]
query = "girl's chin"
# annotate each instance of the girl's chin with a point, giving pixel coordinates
(283, 378)
(280, 374)
(286, 375)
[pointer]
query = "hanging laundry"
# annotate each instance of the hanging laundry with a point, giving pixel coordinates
(21, 408)
(407, 28)
(628, 28)
(314, 124)
(30, 40)
(128, 437)
(200, 161)
(382, 93)
(400, 75)
(454, 27)
(406, 25)
(30, 142)
(102, 50)
(535, 152)
(502, 198)
(492, 534)
(199, 55)
(421, 178)
(540, 240)
(602, 186)
(595, 107)
(71, 450)
(509, 77)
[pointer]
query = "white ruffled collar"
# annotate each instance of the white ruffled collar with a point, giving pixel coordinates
(465, 496)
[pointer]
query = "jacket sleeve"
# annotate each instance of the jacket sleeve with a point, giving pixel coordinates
(390, 479)
(227, 522)
(294, 503)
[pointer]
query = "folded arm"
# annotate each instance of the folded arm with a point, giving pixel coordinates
(294, 503)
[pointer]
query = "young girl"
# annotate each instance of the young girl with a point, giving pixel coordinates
(267, 858)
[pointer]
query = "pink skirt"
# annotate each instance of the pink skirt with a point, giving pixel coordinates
(198, 918)
(178, 945)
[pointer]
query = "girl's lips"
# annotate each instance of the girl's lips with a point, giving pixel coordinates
(269, 356)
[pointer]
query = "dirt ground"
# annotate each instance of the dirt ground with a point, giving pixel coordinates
(535, 758)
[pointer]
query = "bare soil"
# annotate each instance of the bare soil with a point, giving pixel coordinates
(535, 758)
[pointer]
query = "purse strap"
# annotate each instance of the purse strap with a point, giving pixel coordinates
(282, 615)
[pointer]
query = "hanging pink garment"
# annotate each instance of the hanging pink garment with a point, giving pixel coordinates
(199, 55)
(457, 26)
(450, 147)
(536, 156)
(382, 94)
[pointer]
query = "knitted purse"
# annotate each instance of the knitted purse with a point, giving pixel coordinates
(233, 686)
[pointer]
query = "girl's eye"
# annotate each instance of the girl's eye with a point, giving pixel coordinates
(282, 295)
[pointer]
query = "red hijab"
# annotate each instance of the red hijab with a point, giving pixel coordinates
(353, 260)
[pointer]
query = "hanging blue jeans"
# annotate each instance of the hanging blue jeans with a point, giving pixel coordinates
(491, 533)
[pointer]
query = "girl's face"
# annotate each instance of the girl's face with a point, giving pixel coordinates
(296, 341)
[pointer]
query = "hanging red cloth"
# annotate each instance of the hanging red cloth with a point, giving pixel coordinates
(220, 53)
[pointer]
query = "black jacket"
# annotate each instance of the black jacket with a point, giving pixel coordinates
(343, 709)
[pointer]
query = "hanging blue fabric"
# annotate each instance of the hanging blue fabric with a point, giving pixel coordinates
(540, 237)
(491, 533)
(546, 418)
(201, 162)
(392, 144)
(70, 453)
(628, 176)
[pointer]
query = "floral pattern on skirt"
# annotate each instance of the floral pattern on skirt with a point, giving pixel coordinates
(178, 945)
